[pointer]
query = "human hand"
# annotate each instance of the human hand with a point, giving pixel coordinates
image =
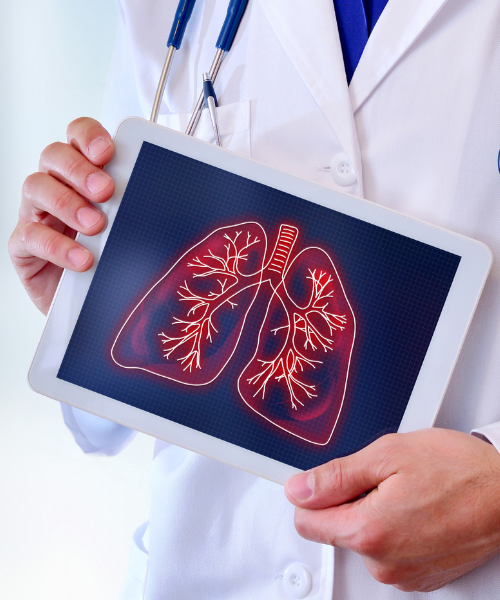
(433, 513)
(55, 206)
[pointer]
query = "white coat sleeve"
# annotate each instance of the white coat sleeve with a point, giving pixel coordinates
(489, 433)
(96, 435)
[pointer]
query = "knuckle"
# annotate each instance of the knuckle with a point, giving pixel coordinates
(365, 545)
(390, 449)
(48, 153)
(82, 130)
(388, 442)
(370, 540)
(76, 125)
(30, 184)
(75, 169)
(387, 574)
(28, 234)
(61, 200)
(13, 243)
(36, 244)
(85, 121)
(335, 475)
(50, 246)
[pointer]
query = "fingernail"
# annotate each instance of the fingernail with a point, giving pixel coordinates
(301, 486)
(97, 182)
(78, 256)
(98, 146)
(88, 216)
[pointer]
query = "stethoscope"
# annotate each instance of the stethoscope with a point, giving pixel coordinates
(225, 40)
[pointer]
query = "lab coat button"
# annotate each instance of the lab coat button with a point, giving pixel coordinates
(341, 170)
(297, 581)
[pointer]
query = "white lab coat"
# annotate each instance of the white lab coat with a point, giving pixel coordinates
(420, 129)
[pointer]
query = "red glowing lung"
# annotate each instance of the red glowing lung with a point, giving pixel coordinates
(298, 374)
(188, 325)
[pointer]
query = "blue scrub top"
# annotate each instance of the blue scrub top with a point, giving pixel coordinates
(356, 20)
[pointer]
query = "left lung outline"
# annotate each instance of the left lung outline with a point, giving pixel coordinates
(297, 376)
(198, 283)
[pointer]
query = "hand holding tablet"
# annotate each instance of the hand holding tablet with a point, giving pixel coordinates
(432, 513)
(255, 317)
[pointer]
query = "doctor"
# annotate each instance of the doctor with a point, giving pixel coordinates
(414, 126)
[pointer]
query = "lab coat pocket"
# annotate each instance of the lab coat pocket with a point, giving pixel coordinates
(234, 126)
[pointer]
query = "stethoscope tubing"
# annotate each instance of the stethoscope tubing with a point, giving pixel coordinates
(235, 12)
(160, 90)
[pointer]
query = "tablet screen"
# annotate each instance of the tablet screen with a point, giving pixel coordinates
(255, 316)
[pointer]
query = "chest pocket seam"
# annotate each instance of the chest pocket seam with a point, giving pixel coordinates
(234, 126)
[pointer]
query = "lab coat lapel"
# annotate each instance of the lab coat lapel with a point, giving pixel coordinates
(307, 30)
(399, 25)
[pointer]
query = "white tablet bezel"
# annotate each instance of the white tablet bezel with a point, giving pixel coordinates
(436, 369)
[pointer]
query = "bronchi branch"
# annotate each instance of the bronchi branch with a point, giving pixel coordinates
(321, 295)
(227, 265)
(201, 327)
(289, 369)
(286, 370)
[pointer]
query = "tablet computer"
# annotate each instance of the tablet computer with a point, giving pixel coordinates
(254, 317)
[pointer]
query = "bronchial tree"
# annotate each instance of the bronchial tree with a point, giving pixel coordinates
(200, 327)
(189, 325)
(291, 361)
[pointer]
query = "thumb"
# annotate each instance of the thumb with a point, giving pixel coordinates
(342, 479)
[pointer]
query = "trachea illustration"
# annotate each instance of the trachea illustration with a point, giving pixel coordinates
(190, 323)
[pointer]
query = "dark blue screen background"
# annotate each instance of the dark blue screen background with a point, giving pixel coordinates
(396, 286)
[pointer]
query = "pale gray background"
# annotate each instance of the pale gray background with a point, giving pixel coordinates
(66, 519)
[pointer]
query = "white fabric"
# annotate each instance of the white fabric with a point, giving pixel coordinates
(230, 547)
(489, 433)
(95, 435)
(423, 138)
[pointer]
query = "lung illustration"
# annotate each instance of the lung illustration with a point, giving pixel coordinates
(187, 327)
(189, 324)
(298, 375)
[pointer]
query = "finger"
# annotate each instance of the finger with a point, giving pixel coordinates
(343, 479)
(336, 526)
(36, 239)
(91, 139)
(44, 194)
(68, 165)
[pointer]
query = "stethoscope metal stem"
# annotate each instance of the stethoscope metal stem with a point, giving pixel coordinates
(214, 71)
(161, 84)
